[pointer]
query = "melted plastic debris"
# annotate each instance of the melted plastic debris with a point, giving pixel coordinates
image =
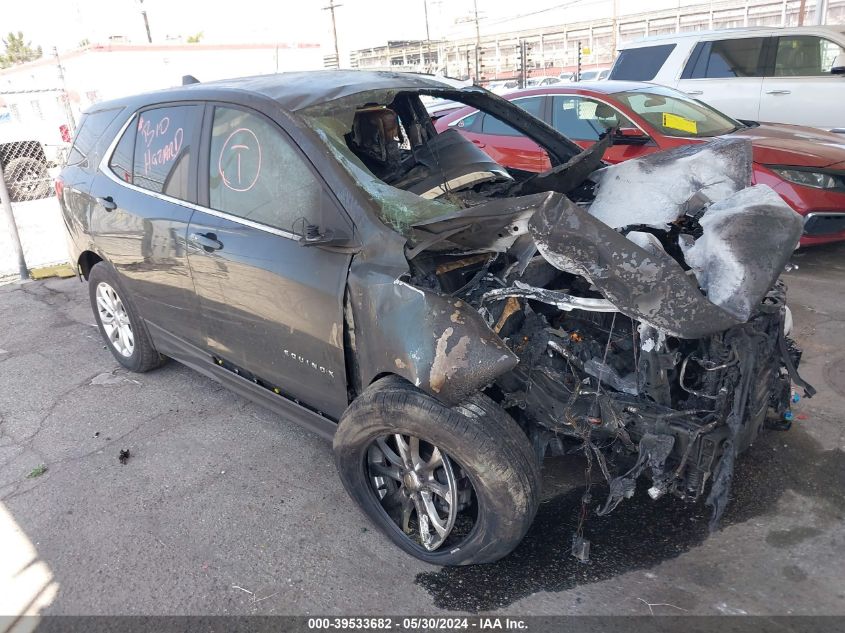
(741, 234)
(647, 242)
(656, 189)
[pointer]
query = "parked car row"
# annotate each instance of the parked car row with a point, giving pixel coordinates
(793, 80)
(792, 75)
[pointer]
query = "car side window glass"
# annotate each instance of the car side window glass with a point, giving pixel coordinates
(641, 64)
(730, 58)
(257, 174)
(91, 129)
(470, 123)
(121, 159)
(585, 119)
(492, 125)
(805, 56)
(163, 149)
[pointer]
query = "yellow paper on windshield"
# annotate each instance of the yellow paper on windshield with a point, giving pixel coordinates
(676, 122)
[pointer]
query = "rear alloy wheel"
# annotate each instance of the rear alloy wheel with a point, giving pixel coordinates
(119, 322)
(116, 324)
(450, 486)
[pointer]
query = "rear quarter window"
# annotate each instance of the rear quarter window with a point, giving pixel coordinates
(722, 59)
(641, 64)
(90, 130)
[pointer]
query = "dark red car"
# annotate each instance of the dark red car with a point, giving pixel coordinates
(804, 165)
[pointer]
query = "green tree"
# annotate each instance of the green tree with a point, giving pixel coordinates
(18, 50)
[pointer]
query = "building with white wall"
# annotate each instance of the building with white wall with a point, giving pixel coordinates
(40, 92)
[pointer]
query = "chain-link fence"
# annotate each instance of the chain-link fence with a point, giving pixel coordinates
(35, 136)
(26, 170)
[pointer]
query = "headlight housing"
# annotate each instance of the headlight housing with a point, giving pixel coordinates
(816, 178)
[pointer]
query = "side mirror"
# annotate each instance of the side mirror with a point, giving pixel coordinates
(314, 236)
(838, 67)
(630, 136)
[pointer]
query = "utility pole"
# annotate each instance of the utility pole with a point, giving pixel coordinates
(477, 37)
(332, 6)
(65, 101)
(146, 22)
(17, 249)
(578, 62)
(821, 11)
(801, 12)
(427, 36)
(427, 33)
(614, 43)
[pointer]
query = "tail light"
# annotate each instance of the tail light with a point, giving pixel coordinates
(60, 187)
(64, 130)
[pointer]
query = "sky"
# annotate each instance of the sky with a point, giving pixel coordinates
(361, 23)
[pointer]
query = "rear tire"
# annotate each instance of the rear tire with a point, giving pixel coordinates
(119, 323)
(480, 447)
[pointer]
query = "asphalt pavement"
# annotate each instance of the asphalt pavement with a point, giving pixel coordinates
(224, 508)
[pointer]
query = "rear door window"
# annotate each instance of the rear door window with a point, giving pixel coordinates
(641, 64)
(165, 148)
(90, 130)
(805, 56)
(726, 59)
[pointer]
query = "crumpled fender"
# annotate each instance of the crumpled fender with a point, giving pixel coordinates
(643, 285)
(440, 344)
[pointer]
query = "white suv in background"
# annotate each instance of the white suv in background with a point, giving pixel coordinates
(786, 75)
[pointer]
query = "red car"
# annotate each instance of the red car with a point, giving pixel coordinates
(804, 165)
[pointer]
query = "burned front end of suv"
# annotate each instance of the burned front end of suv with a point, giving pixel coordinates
(633, 313)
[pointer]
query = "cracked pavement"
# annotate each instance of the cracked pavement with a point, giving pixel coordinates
(225, 508)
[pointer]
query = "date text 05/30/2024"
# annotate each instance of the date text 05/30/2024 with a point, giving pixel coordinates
(420, 623)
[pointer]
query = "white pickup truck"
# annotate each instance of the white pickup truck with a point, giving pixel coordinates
(32, 141)
(784, 75)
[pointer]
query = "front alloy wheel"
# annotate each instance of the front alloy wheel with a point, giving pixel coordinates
(417, 486)
(449, 485)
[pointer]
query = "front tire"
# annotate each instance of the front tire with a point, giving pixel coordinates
(119, 323)
(450, 486)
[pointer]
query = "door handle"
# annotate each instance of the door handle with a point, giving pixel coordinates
(695, 92)
(208, 241)
(478, 143)
(107, 203)
(778, 92)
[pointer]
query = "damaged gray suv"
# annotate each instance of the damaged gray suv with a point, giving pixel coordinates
(310, 241)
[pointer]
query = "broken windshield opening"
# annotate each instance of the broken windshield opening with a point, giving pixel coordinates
(397, 208)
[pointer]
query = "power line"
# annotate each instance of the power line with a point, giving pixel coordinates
(563, 5)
